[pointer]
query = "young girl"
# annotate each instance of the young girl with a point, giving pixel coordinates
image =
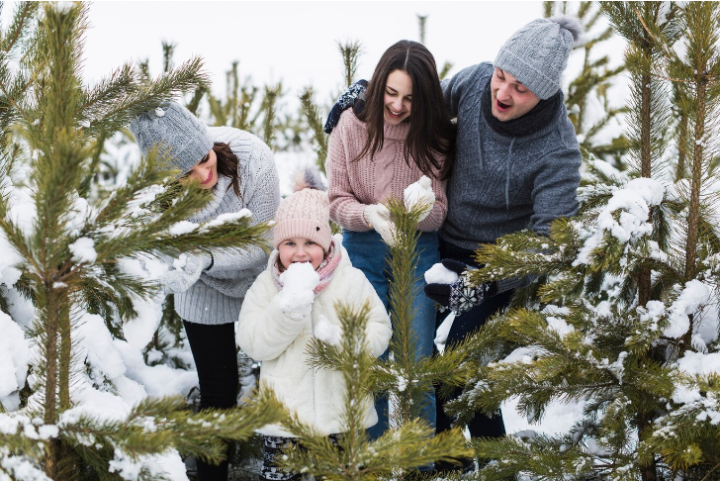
(291, 302)
(239, 170)
(389, 141)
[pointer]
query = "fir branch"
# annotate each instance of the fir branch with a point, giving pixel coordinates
(25, 13)
(314, 120)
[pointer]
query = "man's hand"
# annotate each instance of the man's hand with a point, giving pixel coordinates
(355, 94)
(458, 296)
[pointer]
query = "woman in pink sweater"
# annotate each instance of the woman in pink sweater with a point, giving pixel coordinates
(399, 134)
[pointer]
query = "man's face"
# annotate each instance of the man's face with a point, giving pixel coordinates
(510, 98)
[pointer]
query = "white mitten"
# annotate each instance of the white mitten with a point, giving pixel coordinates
(420, 193)
(296, 298)
(377, 216)
(185, 272)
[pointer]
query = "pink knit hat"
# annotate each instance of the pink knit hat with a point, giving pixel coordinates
(306, 214)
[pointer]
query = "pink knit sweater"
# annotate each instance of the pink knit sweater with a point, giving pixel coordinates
(356, 184)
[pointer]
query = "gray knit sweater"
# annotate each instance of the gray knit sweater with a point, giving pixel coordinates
(217, 297)
(503, 184)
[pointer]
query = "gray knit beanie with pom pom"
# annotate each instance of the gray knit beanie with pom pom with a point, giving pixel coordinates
(537, 54)
(175, 132)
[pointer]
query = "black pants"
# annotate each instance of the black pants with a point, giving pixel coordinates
(480, 425)
(213, 348)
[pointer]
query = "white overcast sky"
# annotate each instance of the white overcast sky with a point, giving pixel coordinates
(294, 41)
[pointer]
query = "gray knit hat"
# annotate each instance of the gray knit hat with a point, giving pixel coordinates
(537, 54)
(175, 131)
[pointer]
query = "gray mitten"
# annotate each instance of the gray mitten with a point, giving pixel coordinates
(186, 271)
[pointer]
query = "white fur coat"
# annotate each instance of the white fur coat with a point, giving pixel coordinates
(268, 335)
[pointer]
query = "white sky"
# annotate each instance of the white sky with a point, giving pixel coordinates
(294, 41)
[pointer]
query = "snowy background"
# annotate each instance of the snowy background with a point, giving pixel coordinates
(290, 41)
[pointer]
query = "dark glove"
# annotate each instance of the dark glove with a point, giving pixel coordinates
(354, 94)
(461, 295)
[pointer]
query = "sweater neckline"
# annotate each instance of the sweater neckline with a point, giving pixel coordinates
(219, 191)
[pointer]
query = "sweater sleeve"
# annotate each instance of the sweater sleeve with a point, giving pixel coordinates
(345, 209)
(467, 79)
(263, 331)
(262, 199)
(554, 189)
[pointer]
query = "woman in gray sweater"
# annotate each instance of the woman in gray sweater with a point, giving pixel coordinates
(209, 289)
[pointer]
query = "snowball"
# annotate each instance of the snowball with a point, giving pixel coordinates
(439, 274)
(300, 276)
(83, 250)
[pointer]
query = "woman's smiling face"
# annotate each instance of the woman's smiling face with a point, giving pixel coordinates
(205, 171)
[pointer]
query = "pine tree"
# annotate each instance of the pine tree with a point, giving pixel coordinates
(73, 252)
(588, 93)
(623, 315)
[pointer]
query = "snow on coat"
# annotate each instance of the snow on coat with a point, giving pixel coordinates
(269, 335)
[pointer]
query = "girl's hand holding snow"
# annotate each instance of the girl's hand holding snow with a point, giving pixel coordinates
(296, 297)
(377, 216)
(420, 193)
(185, 272)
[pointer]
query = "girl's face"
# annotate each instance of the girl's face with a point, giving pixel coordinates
(398, 97)
(300, 249)
(205, 171)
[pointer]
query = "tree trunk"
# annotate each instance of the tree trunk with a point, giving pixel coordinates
(52, 309)
(648, 473)
(682, 148)
(696, 177)
(644, 282)
(65, 353)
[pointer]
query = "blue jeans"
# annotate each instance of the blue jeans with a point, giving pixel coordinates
(368, 253)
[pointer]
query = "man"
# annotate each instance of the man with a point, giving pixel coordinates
(517, 166)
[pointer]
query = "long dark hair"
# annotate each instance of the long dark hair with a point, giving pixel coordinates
(227, 165)
(431, 131)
